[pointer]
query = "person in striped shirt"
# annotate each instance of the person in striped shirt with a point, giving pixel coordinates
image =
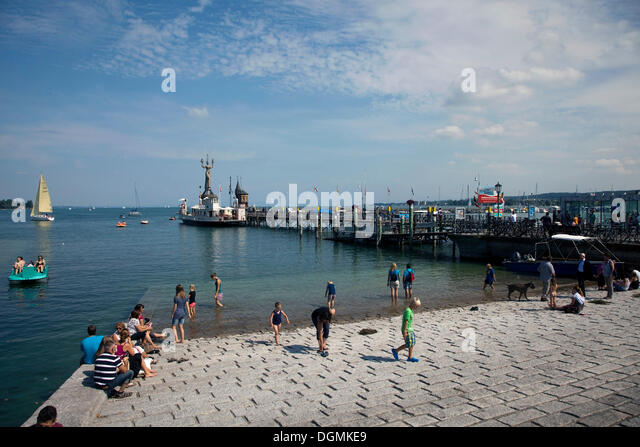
(110, 372)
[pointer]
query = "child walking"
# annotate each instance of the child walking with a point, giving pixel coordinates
(407, 331)
(489, 278)
(276, 320)
(553, 293)
(330, 293)
(192, 302)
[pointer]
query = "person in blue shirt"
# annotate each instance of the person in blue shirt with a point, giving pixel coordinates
(393, 282)
(407, 281)
(330, 294)
(490, 277)
(89, 345)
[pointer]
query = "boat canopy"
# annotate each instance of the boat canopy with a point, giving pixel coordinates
(571, 237)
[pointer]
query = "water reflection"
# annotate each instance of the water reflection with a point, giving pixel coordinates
(30, 294)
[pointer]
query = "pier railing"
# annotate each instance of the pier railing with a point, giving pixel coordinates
(442, 226)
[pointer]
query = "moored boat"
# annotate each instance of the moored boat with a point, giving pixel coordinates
(564, 249)
(208, 211)
(121, 224)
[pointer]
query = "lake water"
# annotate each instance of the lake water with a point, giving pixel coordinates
(99, 272)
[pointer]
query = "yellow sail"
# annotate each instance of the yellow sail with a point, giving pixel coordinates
(42, 202)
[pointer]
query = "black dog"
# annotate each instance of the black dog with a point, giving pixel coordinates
(522, 288)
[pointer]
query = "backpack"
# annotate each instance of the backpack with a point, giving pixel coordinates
(409, 276)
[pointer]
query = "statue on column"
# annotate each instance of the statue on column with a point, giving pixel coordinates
(207, 177)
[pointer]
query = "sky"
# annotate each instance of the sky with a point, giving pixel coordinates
(331, 94)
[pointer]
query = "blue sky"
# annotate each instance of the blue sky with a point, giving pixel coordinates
(319, 93)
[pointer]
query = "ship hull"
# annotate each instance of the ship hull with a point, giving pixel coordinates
(42, 218)
(210, 222)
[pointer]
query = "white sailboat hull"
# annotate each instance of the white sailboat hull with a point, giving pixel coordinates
(42, 218)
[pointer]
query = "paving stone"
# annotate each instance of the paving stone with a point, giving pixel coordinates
(555, 420)
(603, 419)
(521, 416)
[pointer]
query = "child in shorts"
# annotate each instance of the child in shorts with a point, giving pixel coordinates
(330, 294)
(407, 331)
(192, 302)
(275, 320)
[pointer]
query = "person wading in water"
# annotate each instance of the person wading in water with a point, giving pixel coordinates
(218, 293)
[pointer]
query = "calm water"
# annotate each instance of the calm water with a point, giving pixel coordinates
(99, 272)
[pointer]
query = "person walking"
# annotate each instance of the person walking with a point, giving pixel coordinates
(547, 272)
(608, 271)
(179, 312)
(275, 320)
(330, 294)
(489, 278)
(407, 331)
(393, 282)
(407, 282)
(192, 302)
(218, 293)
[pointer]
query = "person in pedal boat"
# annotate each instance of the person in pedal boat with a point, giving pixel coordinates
(40, 264)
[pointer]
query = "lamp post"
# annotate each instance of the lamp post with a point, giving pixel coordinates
(499, 192)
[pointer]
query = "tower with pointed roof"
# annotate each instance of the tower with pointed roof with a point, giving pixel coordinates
(241, 195)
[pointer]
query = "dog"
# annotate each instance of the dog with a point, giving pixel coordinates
(522, 288)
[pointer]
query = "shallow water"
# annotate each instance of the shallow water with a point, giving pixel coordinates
(99, 272)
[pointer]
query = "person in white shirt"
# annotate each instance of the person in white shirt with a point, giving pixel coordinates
(513, 218)
(635, 280)
(577, 302)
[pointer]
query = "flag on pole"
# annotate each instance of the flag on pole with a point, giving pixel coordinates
(315, 188)
(220, 188)
(337, 189)
(388, 191)
(412, 191)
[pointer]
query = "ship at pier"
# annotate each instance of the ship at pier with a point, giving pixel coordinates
(208, 212)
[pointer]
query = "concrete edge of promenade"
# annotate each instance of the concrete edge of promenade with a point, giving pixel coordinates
(76, 398)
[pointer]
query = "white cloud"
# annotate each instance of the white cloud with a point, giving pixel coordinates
(198, 112)
(201, 5)
(539, 74)
(611, 163)
(450, 131)
(496, 129)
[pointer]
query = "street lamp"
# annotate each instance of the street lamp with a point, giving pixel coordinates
(499, 191)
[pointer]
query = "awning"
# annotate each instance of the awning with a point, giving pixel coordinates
(570, 237)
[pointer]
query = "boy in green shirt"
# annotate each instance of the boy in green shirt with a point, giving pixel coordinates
(407, 331)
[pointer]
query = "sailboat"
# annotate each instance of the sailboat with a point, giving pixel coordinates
(42, 203)
(135, 212)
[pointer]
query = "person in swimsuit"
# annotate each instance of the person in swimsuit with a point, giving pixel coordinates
(393, 282)
(276, 320)
(330, 294)
(18, 265)
(40, 264)
(218, 294)
(192, 302)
